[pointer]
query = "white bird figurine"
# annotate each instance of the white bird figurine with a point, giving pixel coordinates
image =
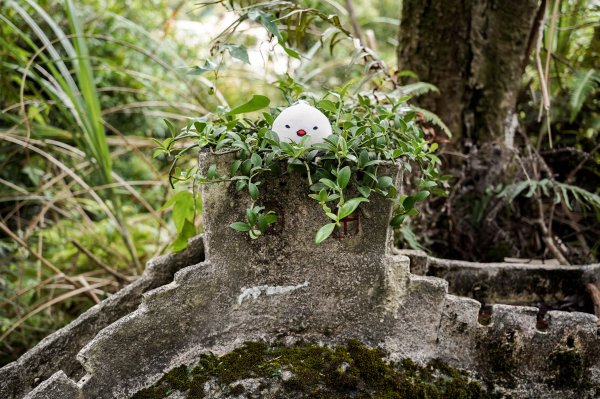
(300, 120)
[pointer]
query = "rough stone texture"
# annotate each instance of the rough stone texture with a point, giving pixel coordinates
(57, 386)
(57, 351)
(510, 283)
(458, 321)
(283, 287)
(512, 350)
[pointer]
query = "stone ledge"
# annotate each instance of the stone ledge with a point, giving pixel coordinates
(511, 283)
(428, 323)
(58, 350)
(55, 387)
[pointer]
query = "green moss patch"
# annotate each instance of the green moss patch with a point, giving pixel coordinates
(347, 371)
(567, 366)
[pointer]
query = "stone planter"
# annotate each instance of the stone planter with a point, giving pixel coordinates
(290, 240)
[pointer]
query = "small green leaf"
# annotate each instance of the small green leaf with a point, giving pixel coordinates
(253, 190)
(171, 129)
(327, 105)
(240, 185)
(252, 216)
(332, 216)
(256, 160)
(269, 118)
(183, 210)
(324, 232)
(397, 220)
(199, 126)
(289, 51)
(246, 166)
(342, 145)
(329, 184)
(287, 148)
(272, 137)
(174, 199)
(322, 197)
(237, 51)
(384, 182)
(267, 21)
(235, 166)
(240, 226)
(343, 177)
(439, 192)
(421, 195)
(181, 242)
(265, 220)
(427, 184)
(256, 102)
(317, 187)
(363, 158)
(364, 191)
(199, 70)
(350, 206)
(212, 172)
(408, 203)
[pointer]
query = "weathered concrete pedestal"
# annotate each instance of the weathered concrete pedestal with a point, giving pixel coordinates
(283, 286)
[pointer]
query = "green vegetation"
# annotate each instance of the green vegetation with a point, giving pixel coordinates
(351, 370)
(366, 134)
(82, 88)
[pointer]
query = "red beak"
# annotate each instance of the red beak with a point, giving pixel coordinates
(301, 132)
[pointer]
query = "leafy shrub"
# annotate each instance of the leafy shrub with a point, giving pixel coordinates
(367, 132)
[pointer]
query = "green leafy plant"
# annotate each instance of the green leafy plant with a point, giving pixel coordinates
(560, 192)
(368, 133)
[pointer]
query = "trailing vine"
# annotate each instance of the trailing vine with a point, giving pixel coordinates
(367, 132)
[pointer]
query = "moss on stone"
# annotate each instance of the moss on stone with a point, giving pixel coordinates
(500, 350)
(237, 390)
(352, 370)
(567, 366)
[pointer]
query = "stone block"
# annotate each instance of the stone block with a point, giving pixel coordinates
(58, 386)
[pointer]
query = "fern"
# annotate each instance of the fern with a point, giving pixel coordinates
(417, 89)
(584, 83)
(583, 197)
(434, 119)
(562, 192)
(410, 238)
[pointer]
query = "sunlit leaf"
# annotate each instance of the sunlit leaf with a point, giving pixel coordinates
(324, 232)
(256, 102)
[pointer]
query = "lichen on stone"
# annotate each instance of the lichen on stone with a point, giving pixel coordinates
(308, 370)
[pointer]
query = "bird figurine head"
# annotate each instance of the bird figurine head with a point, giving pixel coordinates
(301, 120)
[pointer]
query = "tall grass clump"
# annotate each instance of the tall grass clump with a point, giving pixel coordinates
(83, 92)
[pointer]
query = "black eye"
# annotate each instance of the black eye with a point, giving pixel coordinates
(315, 128)
(288, 126)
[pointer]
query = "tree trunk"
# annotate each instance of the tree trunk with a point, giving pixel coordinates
(474, 52)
